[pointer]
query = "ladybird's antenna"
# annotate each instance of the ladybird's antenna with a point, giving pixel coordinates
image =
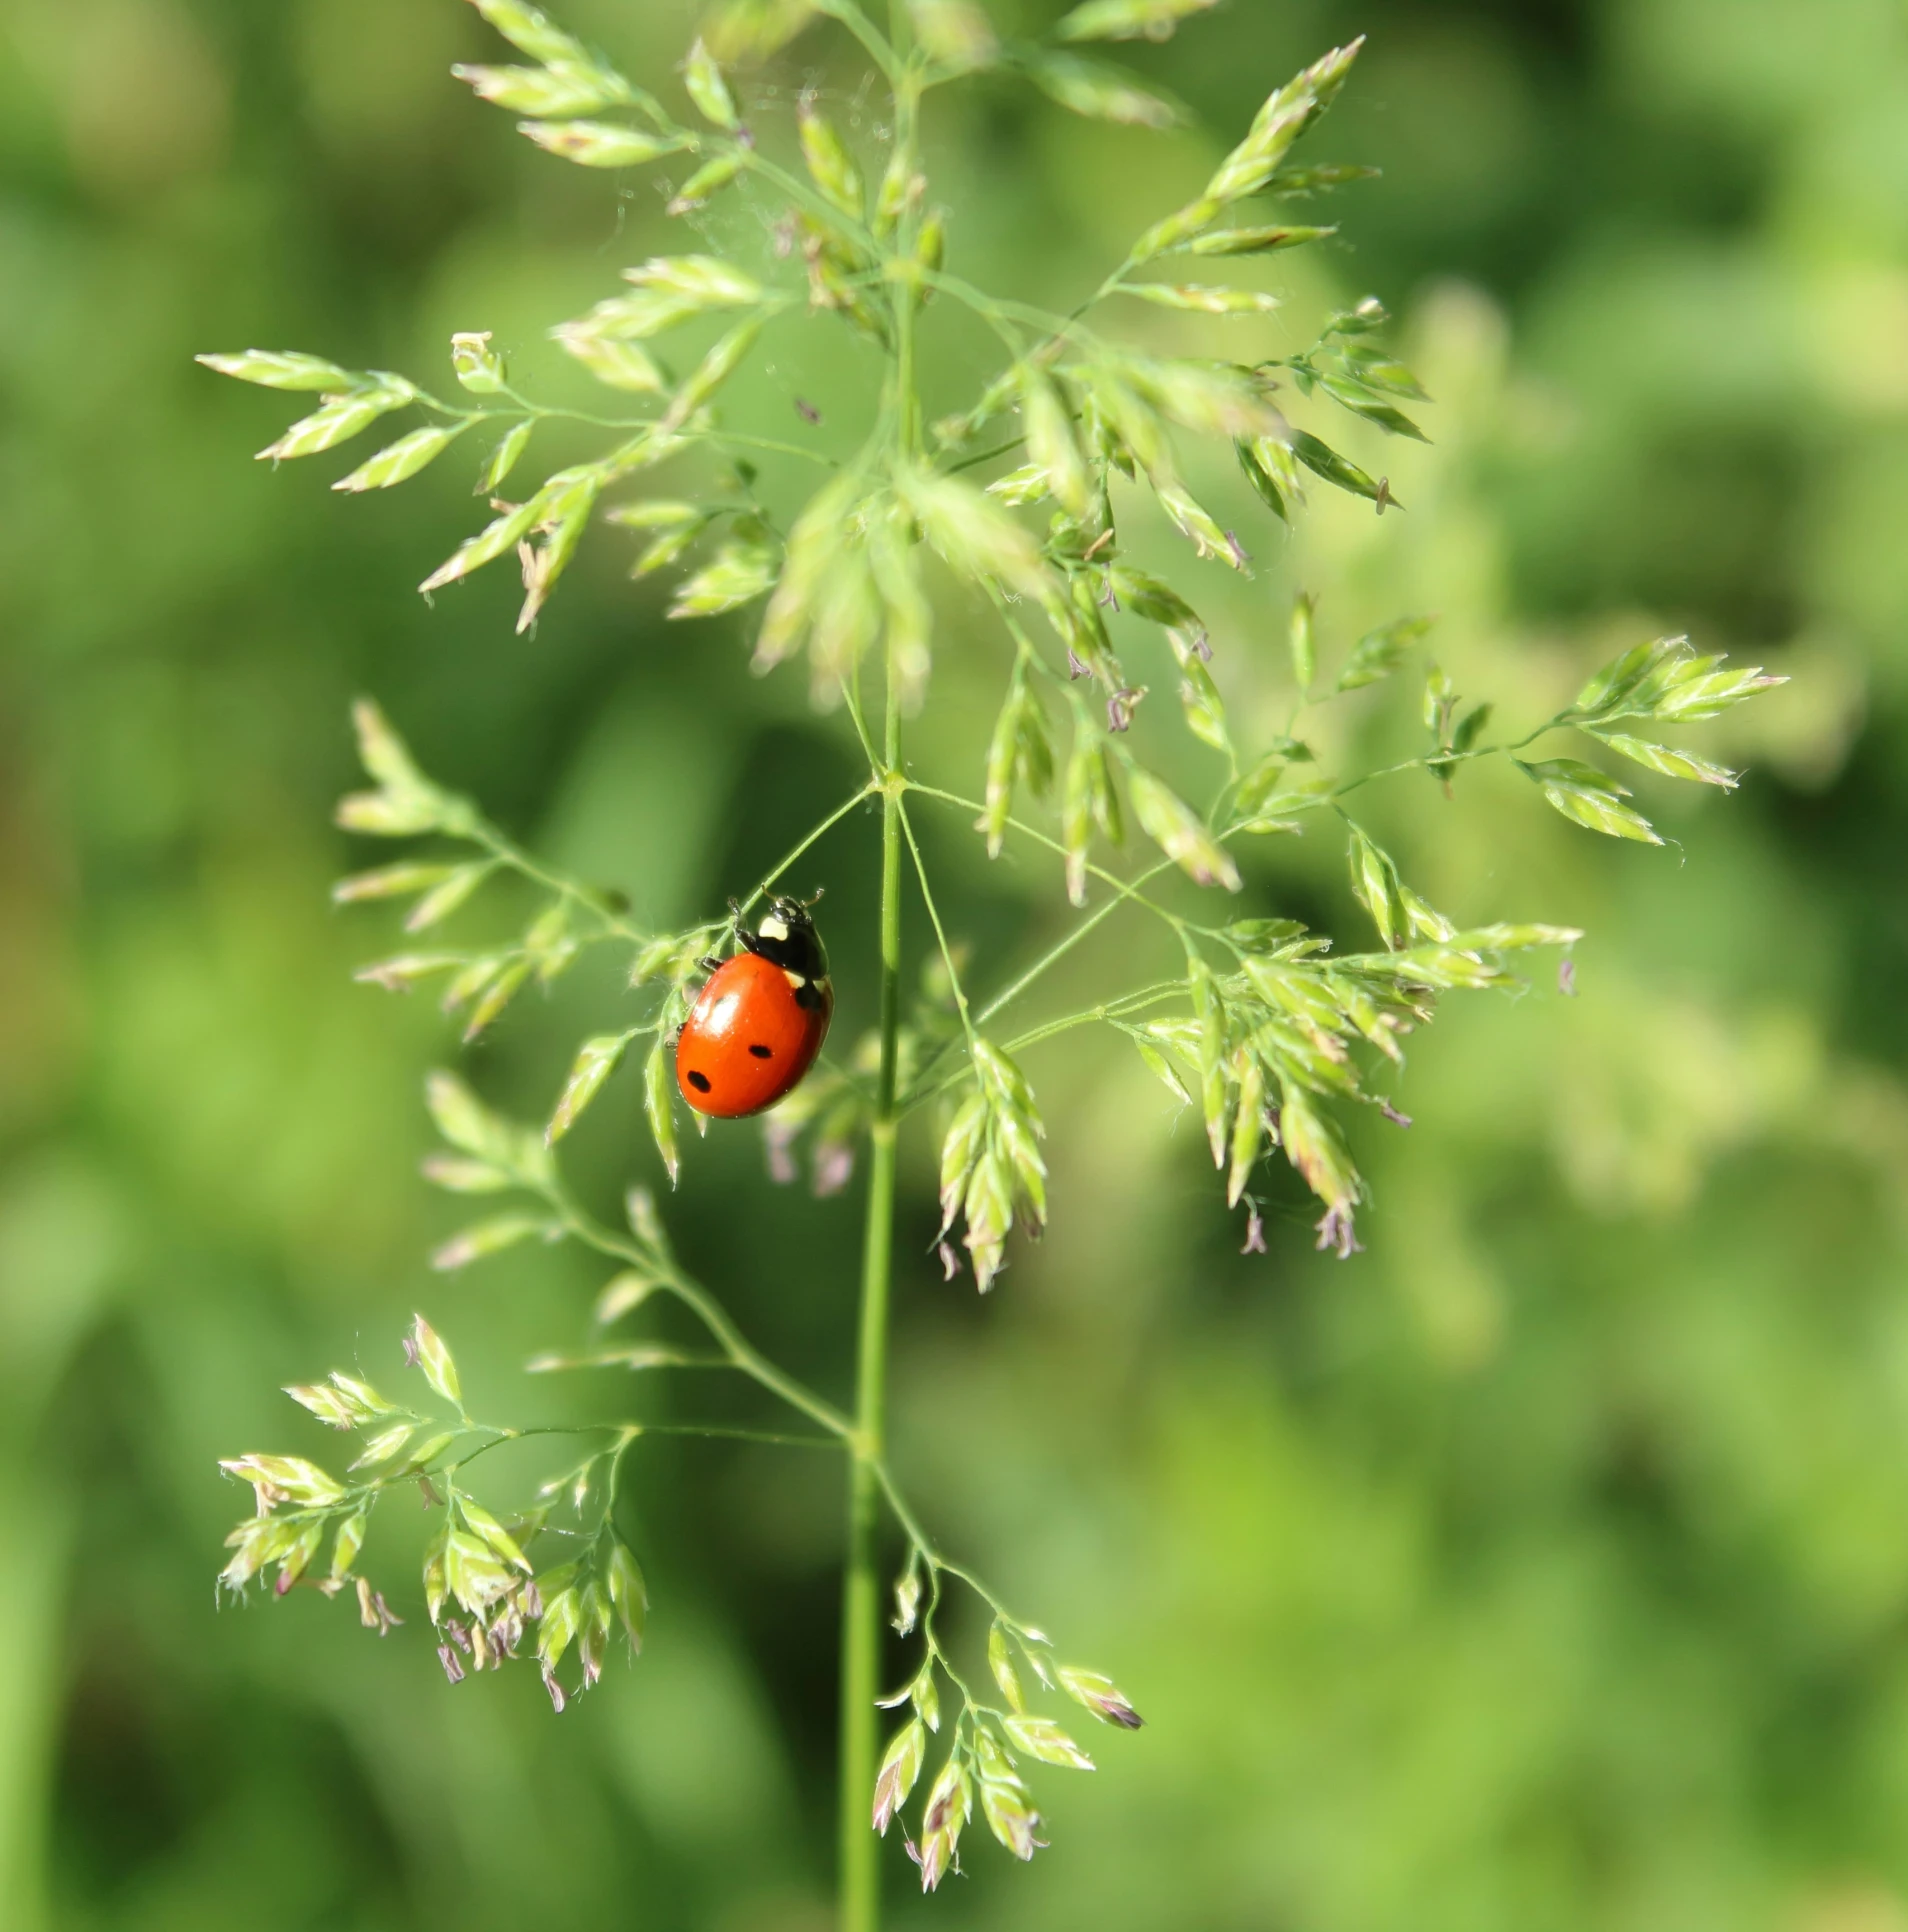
(815, 899)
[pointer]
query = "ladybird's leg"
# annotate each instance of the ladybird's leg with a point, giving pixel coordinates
(748, 941)
(709, 962)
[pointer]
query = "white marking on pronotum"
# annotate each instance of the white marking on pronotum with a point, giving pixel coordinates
(772, 928)
(794, 979)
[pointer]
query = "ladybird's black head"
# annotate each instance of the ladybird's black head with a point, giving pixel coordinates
(787, 936)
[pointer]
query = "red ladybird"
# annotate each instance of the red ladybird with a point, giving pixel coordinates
(760, 1018)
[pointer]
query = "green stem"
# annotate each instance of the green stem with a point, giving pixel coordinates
(722, 1432)
(718, 439)
(1109, 1010)
(507, 852)
(995, 311)
(985, 456)
(860, 1901)
(827, 825)
(798, 190)
(940, 931)
(864, 30)
(1114, 1009)
(1058, 951)
(1119, 885)
(861, 1595)
(707, 1310)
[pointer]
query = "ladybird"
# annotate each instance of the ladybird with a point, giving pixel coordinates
(760, 1018)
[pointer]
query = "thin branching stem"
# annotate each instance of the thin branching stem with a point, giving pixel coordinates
(813, 837)
(985, 456)
(507, 852)
(1108, 1010)
(1114, 1009)
(723, 1432)
(817, 205)
(636, 425)
(873, 41)
(1434, 761)
(1059, 950)
(528, 410)
(1119, 885)
(940, 931)
(1038, 970)
(992, 309)
(937, 1563)
(710, 1312)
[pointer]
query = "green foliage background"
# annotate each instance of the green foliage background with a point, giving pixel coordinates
(1544, 1567)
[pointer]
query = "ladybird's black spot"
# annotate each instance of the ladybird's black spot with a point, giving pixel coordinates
(761, 1052)
(700, 1081)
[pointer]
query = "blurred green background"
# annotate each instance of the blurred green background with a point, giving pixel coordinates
(1546, 1566)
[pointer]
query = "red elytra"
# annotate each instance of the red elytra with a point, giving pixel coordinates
(760, 1019)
